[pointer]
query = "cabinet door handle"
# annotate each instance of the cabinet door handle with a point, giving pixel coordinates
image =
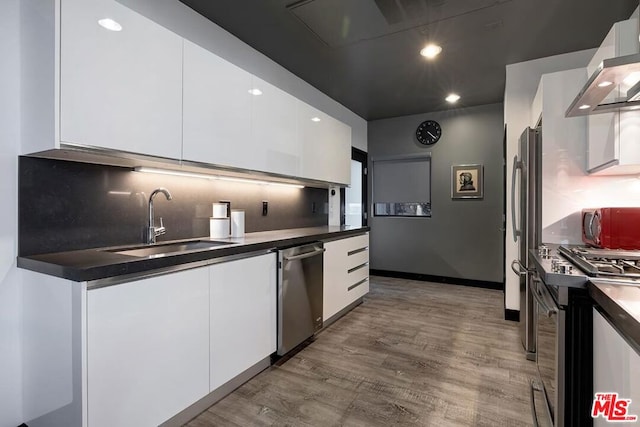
(355, 285)
(357, 251)
(351, 270)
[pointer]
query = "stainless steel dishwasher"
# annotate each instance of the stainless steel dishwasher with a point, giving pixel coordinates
(299, 294)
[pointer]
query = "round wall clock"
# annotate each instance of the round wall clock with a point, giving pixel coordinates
(428, 132)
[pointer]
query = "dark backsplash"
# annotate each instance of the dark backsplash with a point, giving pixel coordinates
(68, 205)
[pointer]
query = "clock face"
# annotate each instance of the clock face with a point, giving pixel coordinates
(428, 132)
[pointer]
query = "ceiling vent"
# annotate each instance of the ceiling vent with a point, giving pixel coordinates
(343, 22)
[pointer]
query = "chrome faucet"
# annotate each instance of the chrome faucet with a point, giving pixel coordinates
(152, 230)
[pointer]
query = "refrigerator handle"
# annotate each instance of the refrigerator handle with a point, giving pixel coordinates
(516, 165)
(518, 268)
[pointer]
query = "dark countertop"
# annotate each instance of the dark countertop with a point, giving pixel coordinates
(620, 303)
(103, 263)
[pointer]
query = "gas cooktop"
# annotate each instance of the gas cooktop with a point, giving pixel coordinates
(574, 266)
(604, 263)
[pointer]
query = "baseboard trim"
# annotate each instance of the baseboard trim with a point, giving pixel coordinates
(439, 279)
(513, 315)
(201, 405)
(341, 313)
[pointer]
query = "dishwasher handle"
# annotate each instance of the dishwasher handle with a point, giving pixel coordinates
(316, 252)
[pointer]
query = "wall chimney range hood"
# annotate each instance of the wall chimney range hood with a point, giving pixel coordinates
(609, 75)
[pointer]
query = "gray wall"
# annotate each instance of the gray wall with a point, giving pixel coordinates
(463, 238)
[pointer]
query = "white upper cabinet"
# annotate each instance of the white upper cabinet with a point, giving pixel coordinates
(274, 129)
(326, 146)
(612, 137)
(217, 111)
(119, 90)
(137, 87)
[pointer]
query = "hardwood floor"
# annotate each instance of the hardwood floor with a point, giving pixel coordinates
(414, 353)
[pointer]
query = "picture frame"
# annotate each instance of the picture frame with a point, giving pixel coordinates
(467, 182)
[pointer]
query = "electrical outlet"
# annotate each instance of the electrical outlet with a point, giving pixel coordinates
(265, 208)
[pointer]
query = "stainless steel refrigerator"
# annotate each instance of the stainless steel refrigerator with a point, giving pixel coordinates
(526, 219)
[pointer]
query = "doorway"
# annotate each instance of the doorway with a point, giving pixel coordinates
(355, 197)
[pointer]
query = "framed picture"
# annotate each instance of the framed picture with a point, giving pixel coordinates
(467, 182)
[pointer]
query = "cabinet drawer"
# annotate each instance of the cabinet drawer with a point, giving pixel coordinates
(357, 258)
(358, 289)
(358, 242)
(357, 275)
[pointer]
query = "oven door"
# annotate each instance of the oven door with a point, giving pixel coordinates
(547, 329)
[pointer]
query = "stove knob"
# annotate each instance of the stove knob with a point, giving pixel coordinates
(565, 269)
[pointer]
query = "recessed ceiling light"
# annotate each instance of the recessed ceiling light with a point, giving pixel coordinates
(109, 24)
(635, 107)
(315, 119)
(430, 51)
(452, 98)
(584, 106)
(255, 91)
(605, 84)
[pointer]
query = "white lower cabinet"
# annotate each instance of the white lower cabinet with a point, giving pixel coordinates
(616, 366)
(156, 346)
(346, 273)
(243, 315)
(147, 348)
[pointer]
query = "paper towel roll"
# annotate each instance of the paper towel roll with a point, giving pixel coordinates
(220, 210)
(218, 228)
(237, 223)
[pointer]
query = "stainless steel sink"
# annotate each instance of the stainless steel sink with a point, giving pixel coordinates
(158, 250)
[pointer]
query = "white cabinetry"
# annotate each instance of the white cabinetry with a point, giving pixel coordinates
(138, 353)
(564, 189)
(616, 366)
(243, 315)
(346, 273)
(217, 111)
(274, 129)
(612, 137)
(237, 120)
(120, 90)
(326, 146)
(145, 90)
(147, 348)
